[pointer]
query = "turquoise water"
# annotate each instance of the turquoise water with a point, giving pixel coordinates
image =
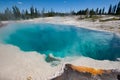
(62, 40)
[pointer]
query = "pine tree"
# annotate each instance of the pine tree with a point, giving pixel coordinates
(100, 12)
(43, 12)
(32, 12)
(118, 9)
(23, 14)
(72, 12)
(114, 9)
(103, 11)
(87, 12)
(96, 12)
(16, 12)
(27, 15)
(26, 12)
(79, 12)
(110, 10)
(36, 12)
(8, 15)
(92, 12)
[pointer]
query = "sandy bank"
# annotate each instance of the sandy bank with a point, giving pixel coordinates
(18, 65)
(110, 26)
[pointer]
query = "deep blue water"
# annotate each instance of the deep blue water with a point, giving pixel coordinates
(62, 40)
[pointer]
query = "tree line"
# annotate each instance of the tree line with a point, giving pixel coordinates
(15, 14)
(113, 10)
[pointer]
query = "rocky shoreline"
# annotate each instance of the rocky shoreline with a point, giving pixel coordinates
(72, 72)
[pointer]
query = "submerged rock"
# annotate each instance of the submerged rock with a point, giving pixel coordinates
(72, 72)
(51, 58)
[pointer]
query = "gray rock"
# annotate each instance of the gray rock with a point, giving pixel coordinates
(71, 74)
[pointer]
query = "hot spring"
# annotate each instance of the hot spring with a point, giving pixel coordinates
(62, 40)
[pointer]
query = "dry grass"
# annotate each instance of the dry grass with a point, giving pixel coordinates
(111, 19)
